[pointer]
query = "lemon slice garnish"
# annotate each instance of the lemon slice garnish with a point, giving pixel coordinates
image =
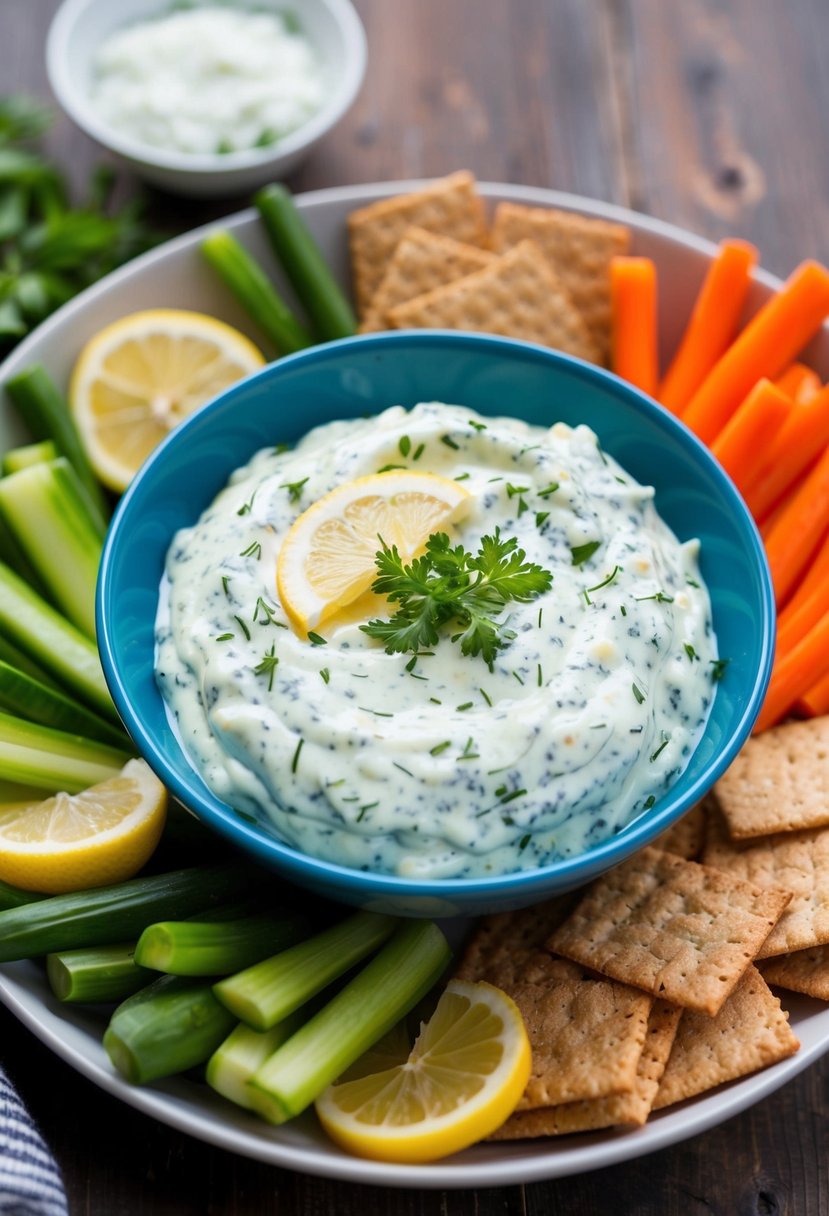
(462, 1079)
(73, 841)
(327, 557)
(142, 375)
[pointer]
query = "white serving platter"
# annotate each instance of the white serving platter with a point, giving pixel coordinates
(174, 276)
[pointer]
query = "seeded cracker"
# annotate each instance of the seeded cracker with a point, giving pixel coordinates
(805, 971)
(779, 781)
(578, 249)
(750, 1032)
(449, 206)
(631, 1108)
(517, 296)
(791, 861)
(586, 1033)
(686, 838)
(683, 931)
(421, 262)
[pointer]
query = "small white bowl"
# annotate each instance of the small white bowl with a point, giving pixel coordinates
(80, 26)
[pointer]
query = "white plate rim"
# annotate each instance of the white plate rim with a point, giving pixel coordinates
(520, 1162)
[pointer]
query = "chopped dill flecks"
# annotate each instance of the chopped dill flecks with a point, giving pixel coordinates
(548, 490)
(540, 676)
(435, 701)
(478, 426)
(387, 468)
(225, 637)
(294, 489)
(512, 796)
(466, 705)
(225, 583)
(461, 477)
(649, 801)
(486, 696)
(402, 769)
(316, 639)
(405, 445)
(662, 746)
(689, 650)
(295, 760)
(369, 806)
(419, 450)
(440, 747)
(450, 442)
(637, 692)
(378, 713)
(518, 678)
(468, 753)
(326, 675)
(254, 550)
(268, 666)
(242, 626)
(513, 490)
(718, 667)
(247, 507)
(524, 841)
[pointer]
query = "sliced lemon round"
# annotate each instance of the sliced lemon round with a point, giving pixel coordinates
(73, 841)
(327, 557)
(142, 375)
(463, 1078)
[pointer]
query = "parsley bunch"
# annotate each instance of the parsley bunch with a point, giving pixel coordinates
(453, 585)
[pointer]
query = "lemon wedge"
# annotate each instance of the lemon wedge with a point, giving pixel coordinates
(142, 375)
(463, 1078)
(327, 557)
(73, 841)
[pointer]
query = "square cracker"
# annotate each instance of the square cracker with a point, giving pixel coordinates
(449, 206)
(579, 250)
(592, 1114)
(421, 262)
(750, 1032)
(793, 861)
(586, 1033)
(517, 296)
(683, 931)
(686, 838)
(779, 781)
(805, 971)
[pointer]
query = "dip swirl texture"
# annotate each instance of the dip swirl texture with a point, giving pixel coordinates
(434, 766)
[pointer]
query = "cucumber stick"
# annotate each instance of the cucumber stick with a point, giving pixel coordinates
(107, 915)
(46, 509)
(21, 662)
(53, 642)
(27, 698)
(15, 556)
(96, 973)
(33, 453)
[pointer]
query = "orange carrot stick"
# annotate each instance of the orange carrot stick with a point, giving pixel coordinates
(793, 625)
(712, 325)
(799, 382)
(816, 578)
(796, 446)
(799, 530)
(633, 299)
(815, 702)
(741, 444)
(795, 673)
(765, 347)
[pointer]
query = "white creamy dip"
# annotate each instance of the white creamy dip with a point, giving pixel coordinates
(208, 79)
(442, 767)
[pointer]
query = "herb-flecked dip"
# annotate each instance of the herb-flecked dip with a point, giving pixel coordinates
(440, 764)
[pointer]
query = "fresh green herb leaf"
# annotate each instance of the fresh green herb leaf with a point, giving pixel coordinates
(419, 450)
(637, 692)
(466, 705)
(225, 583)
(294, 489)
(512, 796)
(461, 477)
(606, 581)
(295, 760)
(242, 626)
(388, 468)
(691, 653)
(316, 639)
(623, 610)
(486, 696)
(513, 490)
(450, 442)
(267, 612)
(268, 666)
(405, 445)
(540, 517)
(583, 553)
(469, 752)
(369, 806)
(281, 448)
(254, 549)
(478, 426)
(661, 748)
(247, 507)
(225, 637)
(518, 678)
(649, 802)
(326, 675)
(718, 667)
(548, 490)
(439, 747)
(540, 677)
(378, 713)
(407, 771)
(524, 841)
(449, 585)
(660, 597)
(522, 506)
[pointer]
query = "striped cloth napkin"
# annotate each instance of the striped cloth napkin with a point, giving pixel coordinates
(30, 1181)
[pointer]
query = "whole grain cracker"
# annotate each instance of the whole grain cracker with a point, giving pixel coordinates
(579, 250)
(585, 1032)
(449, 206)
(631, 1108)
(586, 1035)
(686, 838)
(750, 1032)
(422, 261)
(792, 861)
(779, 782)
(507, 948)
(805, 971)
(517, 296)
(683, 931)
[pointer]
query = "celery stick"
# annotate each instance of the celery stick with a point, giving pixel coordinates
(244, 1051)
(168, 1027)
(266, 993)
(360, 1014)
(16, 557)
(45, 508)
(216, 947)
(304, 264)
(47, 416)
(254, 290)
(33, 453)
(43, 634)
(96, 973)
(21, 662)
(60, 742)
(120, 912)
(28, 698)
(48, 772)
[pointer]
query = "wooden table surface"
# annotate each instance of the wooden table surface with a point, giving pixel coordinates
(708, 113)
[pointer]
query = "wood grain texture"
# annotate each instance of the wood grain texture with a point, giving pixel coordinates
(707, 113)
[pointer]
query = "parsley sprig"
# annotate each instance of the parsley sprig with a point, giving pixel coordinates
(451, 585)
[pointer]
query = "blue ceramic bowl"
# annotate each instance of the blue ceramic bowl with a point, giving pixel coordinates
(494, 376)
